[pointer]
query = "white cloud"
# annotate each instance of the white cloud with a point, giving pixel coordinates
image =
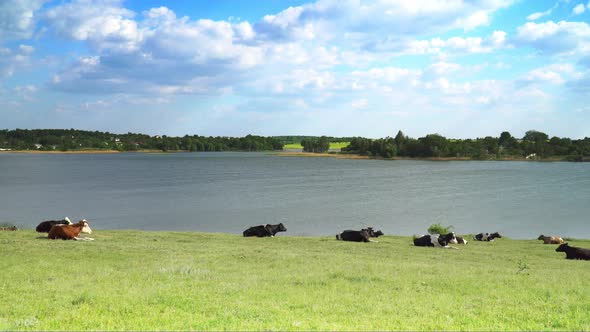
(459, 45)
(556, 38)
(579, 9)
(326, 18)
(558, 74)
(12, 60)
(161, 54)
(17, 18)
(104, 24)
(538, 15)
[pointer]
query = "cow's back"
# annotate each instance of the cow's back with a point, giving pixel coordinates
(354, 236)
(258, 231)
(64, 232)
(424, 241)
(45, 226)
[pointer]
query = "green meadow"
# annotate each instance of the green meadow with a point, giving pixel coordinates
(136, 280)
(333, 146)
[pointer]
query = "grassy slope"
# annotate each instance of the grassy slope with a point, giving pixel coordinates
(130, 280)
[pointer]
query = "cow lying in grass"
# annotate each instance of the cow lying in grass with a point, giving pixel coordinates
(436, 240)
(372, 232)
(264, 230)
(70, 232)
(355, 236)
(487, 236)
(9, 228)
(459, 240)
(550, 239)
(574, 252)
(45, 226)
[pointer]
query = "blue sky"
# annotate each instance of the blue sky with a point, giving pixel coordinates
(463, 69)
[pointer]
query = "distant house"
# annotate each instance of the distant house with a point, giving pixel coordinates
(38, 146)
(531, 156)
(2, 149)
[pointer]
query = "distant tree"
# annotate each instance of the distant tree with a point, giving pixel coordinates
(535, 142)
(399, 140)
(317, 145)
(435, 145)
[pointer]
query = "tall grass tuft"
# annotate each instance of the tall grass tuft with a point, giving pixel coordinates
(439, 229)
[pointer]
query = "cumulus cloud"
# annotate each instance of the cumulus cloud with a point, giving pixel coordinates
(13, 59)
(159, 54)
(158, 51)
(453, 45)
(555, 38)
(325, 19)
(579, 9)
(17, 18)
(104, 24)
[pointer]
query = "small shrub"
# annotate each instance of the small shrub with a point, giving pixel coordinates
(439, 229)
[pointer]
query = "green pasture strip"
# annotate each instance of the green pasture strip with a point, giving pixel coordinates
(333, 146)
(136, 280)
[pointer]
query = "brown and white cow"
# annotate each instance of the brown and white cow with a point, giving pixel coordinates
(550, 239)
(71, 232)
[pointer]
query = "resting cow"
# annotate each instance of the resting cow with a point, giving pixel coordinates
(550, 239)
(9, 228)
(265, 230)
(574, 252)
(459, 240)
(372, 232)
(487, 236)
(45, 226)
(354, 236)
(70, 232)
(435, 240)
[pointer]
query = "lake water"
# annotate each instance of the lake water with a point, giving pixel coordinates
(227, 192)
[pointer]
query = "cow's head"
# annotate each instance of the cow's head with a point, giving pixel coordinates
(495, 235)
(541, 237)
(282, 228)
(562, 247)
(85, 227)
(378, 233)
(449, 238)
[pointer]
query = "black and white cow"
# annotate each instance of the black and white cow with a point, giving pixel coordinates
(487, 236)
(459, 240)
(436, 240)
(574, 252)
(372, 232)
(354, 236)
(265, 230)
(45, 226)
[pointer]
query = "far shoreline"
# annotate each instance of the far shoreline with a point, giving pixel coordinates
(284, 153)
(340, 155)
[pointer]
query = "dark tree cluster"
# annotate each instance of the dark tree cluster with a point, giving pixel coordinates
(71, 139)
(534, 145)
(318, 145)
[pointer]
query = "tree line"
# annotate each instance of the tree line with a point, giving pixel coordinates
(72, 139)
(534, 145)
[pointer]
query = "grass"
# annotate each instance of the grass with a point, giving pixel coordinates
(133, 280)
(333, 146)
